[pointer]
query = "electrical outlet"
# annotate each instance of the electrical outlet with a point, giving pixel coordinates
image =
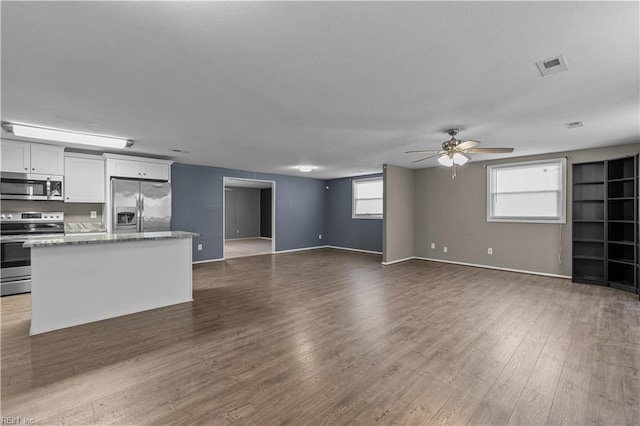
(489, 250)
(319, 236)
(199, 247)
(444, 249)
(93, 214)
(433, 245)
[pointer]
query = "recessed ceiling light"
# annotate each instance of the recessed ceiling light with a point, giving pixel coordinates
(552, 65)
(35, 132)
(305, 168)
(573, 124)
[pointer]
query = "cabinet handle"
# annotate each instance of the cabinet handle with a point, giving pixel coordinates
(26, 168)
(32, 168)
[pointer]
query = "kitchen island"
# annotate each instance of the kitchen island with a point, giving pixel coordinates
(84, 278)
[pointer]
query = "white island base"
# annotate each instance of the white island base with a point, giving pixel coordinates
(75, 283)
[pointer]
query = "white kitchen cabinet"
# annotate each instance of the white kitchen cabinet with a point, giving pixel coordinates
(16, 156)
(138, 168)
(25, 157)
(84, 179)
(47, 159)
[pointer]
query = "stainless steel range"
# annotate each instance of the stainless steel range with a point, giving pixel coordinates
(15, 229)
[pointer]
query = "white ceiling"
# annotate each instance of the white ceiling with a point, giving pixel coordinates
(345, 86)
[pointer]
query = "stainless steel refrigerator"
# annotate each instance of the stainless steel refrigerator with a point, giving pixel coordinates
(140, 206)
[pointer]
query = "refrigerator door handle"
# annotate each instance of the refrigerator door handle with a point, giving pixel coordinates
(141, 213)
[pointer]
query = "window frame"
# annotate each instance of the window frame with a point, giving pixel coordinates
(354, 182)
(561, 219)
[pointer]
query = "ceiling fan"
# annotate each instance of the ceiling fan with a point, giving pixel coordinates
(455, 152)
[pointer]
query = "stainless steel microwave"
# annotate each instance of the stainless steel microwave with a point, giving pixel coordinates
(27, 186)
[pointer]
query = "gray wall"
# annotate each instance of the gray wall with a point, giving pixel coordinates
(452, 213)
(398, 213)
(242, 213)
(197, 207)
(342, 229)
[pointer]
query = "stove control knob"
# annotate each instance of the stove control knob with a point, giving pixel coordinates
(57, 216)
(2, 216)
(45, 216)
(9, 216)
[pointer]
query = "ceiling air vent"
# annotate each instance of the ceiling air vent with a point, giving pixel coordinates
(573, 124)
(552, 65)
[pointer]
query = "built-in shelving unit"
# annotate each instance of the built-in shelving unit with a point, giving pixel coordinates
(622, 206)
(605, 223)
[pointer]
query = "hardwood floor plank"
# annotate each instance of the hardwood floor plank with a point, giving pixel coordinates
(333, 337)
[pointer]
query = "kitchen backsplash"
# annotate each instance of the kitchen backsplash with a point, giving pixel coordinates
(73, 212)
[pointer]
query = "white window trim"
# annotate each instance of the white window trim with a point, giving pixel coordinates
(562, 219)
(353, 199)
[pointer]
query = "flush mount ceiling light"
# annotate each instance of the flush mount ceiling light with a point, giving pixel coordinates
(306, 168)
(35, 132)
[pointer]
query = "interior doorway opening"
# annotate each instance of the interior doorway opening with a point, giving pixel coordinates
(249, 219)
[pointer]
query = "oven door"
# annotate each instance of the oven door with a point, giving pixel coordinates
(16, 260)
(24, 186)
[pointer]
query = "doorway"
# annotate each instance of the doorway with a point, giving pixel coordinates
(248, 217)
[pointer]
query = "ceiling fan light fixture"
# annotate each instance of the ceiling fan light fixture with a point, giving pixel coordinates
(460, 158)
(445, 160)
(306, 168)
(35, 132)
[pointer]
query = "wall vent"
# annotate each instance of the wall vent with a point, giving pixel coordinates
(573, 124)
(552, 65)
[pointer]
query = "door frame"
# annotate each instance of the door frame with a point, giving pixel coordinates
(273, 209)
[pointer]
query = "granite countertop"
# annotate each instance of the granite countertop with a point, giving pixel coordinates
(83, 227)
(106, 238)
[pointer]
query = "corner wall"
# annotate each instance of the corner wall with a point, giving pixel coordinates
(452, 213)
(398, 234)
(342, 229)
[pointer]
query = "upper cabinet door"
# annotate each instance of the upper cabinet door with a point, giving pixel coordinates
(155, 171)
(16, 157)
(84, 180)
(47, 159)
(127, 169)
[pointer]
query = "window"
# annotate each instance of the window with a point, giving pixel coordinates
(367, 198)
(530, 192)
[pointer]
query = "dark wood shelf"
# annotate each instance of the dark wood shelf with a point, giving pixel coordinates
(623, 262)
(579, 256)
(587, 221)
(586, 240)
(620, 198)
(623, 242)
(620, 179)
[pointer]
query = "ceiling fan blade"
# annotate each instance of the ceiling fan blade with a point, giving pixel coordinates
(466, 145)
(427, 151)
(426, 158)
(489, 150)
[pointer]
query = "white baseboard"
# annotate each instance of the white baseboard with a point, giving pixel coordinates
(521, 271)
(354, 249)
(398, 261)
(207, 261)
(264, 238)
(299, 249)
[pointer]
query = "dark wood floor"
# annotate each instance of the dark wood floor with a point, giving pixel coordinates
(333, 337)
